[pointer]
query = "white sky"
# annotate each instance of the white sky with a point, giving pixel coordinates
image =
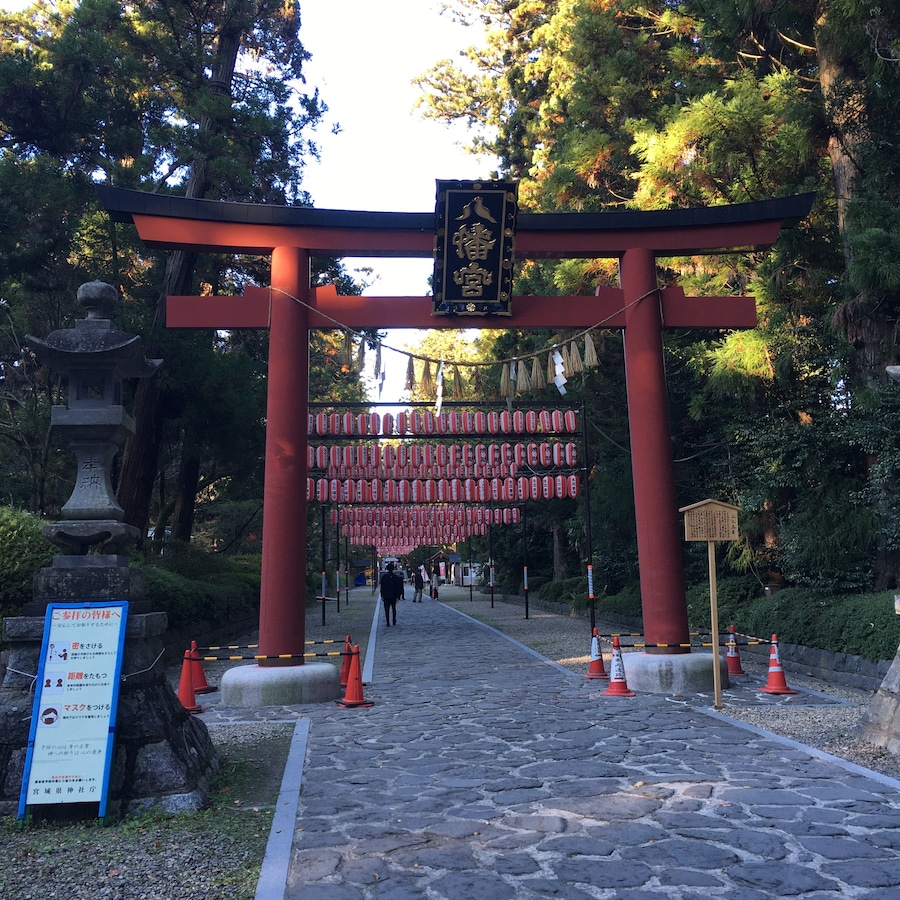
(386, 156)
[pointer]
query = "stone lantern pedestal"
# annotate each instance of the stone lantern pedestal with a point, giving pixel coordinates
(163, 755)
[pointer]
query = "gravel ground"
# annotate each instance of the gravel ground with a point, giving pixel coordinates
(827, 726)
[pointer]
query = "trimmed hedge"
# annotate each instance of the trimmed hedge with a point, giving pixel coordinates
(861, 624)
(215, 599)
(23, 550)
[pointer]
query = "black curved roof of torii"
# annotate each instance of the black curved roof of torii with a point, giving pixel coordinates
(123, 205)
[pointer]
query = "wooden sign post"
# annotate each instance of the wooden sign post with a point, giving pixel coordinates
(711, 521)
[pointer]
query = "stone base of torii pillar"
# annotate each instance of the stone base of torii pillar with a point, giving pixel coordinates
(256, 686)
(680, 673)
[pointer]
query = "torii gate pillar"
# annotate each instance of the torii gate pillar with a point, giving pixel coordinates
(659, 546)
(282, 618)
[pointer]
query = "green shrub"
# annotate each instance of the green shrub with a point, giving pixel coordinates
(626, 602)
(572, 591)
(23, 549)
(216, 599)
(863, 625)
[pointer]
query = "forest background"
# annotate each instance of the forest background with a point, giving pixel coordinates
(592, 105)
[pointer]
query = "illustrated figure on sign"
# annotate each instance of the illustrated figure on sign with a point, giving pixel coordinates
(49, 716)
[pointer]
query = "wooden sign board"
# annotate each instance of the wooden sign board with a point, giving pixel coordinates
(710, 520)
(474, 247)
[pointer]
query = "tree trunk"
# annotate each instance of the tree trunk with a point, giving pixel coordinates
(186, 494)
(560, 571)
(139, 463)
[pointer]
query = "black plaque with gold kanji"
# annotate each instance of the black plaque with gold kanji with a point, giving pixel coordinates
(474, 246)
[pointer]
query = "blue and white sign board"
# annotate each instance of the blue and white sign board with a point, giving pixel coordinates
(70, 743)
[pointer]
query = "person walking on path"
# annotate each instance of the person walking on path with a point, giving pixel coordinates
(435, 583)
(391, 592)
(418, 585)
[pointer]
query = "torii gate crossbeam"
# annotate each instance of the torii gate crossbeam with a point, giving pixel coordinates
(290, 307)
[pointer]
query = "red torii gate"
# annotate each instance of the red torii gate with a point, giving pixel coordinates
(290, 307)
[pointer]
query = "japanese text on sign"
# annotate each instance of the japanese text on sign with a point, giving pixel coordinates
(714, 522)
(474, 245)
(73, 718)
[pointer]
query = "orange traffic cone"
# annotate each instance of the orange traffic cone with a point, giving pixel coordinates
(354, 694)
(618, 686)
(596, 670)
(732, 657)
(186, 686)
(776, 683)
(345, 663)
(197, 674)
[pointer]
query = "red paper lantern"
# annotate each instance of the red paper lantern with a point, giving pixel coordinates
(518, 421)
(560, 486)
(523, 489)
(387, 424)
(571, 420)
(531, 421)
(401, 423)
(493, 422)
(544, 421)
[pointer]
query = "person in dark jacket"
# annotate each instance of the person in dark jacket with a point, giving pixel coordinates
(391, 592)
(418, 585)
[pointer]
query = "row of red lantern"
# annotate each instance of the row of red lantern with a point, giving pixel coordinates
(420, 472)
(375, 456)
(517, 421)
(372, 534)
(426, 515)
(444, 490)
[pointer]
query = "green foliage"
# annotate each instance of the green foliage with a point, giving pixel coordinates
(863, 625)
(23, 549)
(193, 587)
(572, 591)
(626, 602)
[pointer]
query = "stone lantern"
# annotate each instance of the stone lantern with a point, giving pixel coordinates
(96, 357)
(163, 755)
